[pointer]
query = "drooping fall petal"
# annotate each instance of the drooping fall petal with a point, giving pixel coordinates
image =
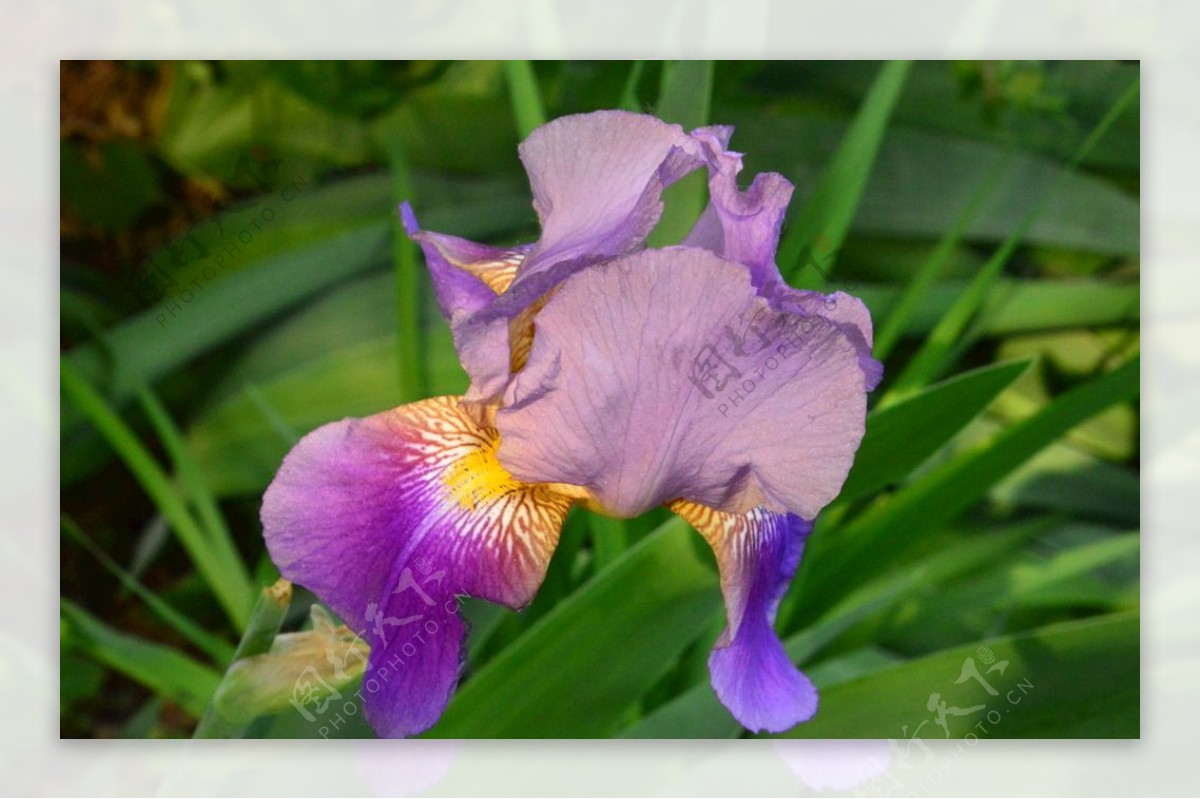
(387, 519)
(757, 554)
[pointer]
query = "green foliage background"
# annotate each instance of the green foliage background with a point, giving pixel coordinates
(232, 277)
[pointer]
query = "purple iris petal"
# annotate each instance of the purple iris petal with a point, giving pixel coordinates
(466, 276)
(744, 226)
(692, 376)
(387, 519)
(757, 553)
(663, 375)
(597, 182)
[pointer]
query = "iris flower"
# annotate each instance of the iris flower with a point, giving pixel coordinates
(602, 373)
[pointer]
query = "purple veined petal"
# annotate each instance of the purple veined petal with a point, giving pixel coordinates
(757, 555)
(663, 375)
(388, 519)
(744, 226)
(848, 312)
(597, 182)
(466, 276)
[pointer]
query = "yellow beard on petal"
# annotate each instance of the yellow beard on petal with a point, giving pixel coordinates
(478, 478)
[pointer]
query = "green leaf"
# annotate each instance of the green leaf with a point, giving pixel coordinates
(901, 437)
(313, 256)
(1014, 306)
(211, 558)
(579, 670)
(161, 339)
(828, 212)
(937, 98)
(166, 671)
(684, 98)
(239, 448)
(1087, 212)
(609, 538)
(209, 125)
(430, 124)
(217, 533)
(341, 319)
(992, 598)
(629, 93)
(1063, 478)
(216, 648)
(116, 190)
(1059, 577)
(408, 280)
(918, 287)
(528, 108)
(1077, 679)
(875, 539)
(935, 353)
(685, 95)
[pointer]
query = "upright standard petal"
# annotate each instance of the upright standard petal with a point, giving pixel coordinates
(757, 555)
(597, 182)
(388, 519)
(744, 226)
(663, 375)
(741, 226)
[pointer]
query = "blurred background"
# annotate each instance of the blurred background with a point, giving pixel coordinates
(232, 277)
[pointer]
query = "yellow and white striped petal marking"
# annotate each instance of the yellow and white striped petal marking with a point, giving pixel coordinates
(757, 554)
(735, 539)
(505, 529)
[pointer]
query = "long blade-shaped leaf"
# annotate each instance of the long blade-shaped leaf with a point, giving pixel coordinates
(166, 671)
(827, 214)
(947, 336)
(212, 560)
(409, 333)
(901, 437)
(897, 320)
(685, 98)
(890, 528)
(216, 648)
(1077, 679)
(528, 109)
(581, 668)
